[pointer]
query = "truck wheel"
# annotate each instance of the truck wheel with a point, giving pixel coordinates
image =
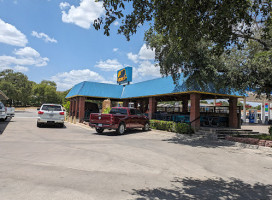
(146, 127)
(38, 125)
(99, 130)
(61, 125)
(121, 129)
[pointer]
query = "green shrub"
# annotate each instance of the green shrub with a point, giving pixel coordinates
(67, 106)
(171, 126)
(270, 130)
(184, 128)
(107, 110)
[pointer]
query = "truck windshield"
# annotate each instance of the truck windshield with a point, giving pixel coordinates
(118, 111)
(51, 108)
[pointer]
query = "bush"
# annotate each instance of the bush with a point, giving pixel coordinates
(270, 130)
(107, 110)
(184, 128)
(171, 126)
(162, 125)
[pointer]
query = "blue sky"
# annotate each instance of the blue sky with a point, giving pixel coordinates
(55, 40)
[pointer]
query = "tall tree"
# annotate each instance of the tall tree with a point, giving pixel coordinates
(195, 37)
(46, 92)
(16, 86)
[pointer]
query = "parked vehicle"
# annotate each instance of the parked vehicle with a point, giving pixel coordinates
(51, 114)
(119, 119)
(10, 112)
(3, 112)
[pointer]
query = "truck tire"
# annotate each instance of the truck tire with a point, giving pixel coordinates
(146, 127)
(38, 125)
(61, 125)
(99, 130)
(121, 129)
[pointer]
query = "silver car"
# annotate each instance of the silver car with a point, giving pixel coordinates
(51, 114)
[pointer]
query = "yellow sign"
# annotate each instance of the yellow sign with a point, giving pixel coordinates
(121, 75)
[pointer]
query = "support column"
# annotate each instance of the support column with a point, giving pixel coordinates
(70, 108)
(263, 112)
(185, 105)
(81, 111)
(195, 111)
(233, 119)
(73, 109)
(152, 107)
(244, 110)
(76, 109)
(125, 103)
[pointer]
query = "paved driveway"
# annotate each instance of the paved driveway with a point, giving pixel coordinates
(75, 163)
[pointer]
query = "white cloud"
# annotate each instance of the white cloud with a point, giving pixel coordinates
(25, 56)
(146, 53)
(133, 57)
(9, 34)
(27, 52)
(115, 49)
(16, 68)
(67, 80)
(43, 36)
(64, 5)
(109, 65)
(116, 23)
(20, 68)
(83, 15)
(146, 68)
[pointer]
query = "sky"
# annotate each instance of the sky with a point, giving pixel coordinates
(55, 40)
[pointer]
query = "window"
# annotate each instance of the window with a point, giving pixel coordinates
(137, 112)
(51, 108)
(132, 112)
(118, 111)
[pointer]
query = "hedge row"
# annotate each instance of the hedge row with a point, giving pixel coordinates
(171, 126)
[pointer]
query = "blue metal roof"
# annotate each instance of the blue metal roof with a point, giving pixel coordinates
(153, 87)
(93, 89)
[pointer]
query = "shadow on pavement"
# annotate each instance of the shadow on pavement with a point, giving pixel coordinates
(189, 188)
(198, 141)
(114, 133)
(4, 124)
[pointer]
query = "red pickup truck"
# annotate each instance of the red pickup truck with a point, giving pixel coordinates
(119, 119)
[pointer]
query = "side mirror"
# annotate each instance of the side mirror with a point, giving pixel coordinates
(38, 108)
(64, 110)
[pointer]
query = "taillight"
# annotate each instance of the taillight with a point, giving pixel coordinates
(61, 113)
(40, 112)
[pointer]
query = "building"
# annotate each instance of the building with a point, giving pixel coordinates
(148, 93)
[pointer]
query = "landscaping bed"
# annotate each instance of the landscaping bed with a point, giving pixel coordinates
(171, 126)
(261, 140)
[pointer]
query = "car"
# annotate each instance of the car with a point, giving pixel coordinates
(119, 119)
(51, 114)
(3, 112)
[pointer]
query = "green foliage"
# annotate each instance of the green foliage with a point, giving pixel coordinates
(45, 92)
(23, 92)
(225, 42)
(107, 110)
(16, 86)
(270, 130)
(170, 126)
(67, 106)
(184, 128)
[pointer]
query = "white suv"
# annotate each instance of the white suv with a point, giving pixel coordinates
(3, 112)
(50, 114)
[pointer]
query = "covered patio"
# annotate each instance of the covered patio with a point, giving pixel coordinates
(146, 95)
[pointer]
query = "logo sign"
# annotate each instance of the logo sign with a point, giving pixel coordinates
(124, 76)
(266, 109)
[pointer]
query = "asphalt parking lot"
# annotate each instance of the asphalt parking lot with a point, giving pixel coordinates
(75, 163)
